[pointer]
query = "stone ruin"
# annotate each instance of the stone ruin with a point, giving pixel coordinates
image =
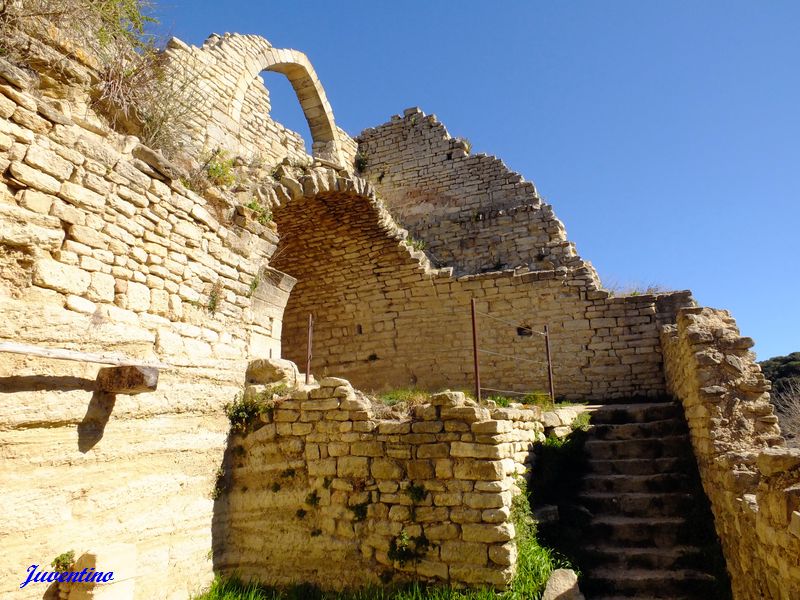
(105, 251)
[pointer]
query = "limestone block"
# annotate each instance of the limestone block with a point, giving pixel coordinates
(503, 554)
(21, 227)
(127, 379)
(352, 466)
(49, 162)
(562, 585)
(54, 275)
(79, 196)
(385, 468)
(81, 305)
(778, 460)
(88, 236)
(448, 398)
(456, 551)
(101, 287)
(272, 370)
(137, 297)
(489, 533)
(34, 178)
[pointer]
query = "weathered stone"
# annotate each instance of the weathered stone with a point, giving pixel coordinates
(20, 227)
(562, 585)
(773, 461)
(272, 370)
(60, 277)
(34, 178)
(128, 380)
(80, 196)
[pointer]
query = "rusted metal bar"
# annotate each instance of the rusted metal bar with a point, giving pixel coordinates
(475, 354)
(308, 347)
(549, 362)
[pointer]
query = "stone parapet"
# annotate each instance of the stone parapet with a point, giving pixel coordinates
(751, 479)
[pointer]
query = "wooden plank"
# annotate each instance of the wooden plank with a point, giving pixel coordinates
(62, 354)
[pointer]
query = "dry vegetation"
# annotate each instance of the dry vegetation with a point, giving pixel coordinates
(136, 90)
(787, 407)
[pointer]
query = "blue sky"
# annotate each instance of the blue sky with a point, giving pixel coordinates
(665, 134)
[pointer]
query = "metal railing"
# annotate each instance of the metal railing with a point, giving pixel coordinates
(477, 351)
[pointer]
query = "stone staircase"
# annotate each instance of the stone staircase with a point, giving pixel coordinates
(649, 531)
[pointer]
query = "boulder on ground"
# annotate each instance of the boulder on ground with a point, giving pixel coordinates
(272, 370)
(562, 585)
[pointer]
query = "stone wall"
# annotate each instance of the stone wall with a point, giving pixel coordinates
(385, 318)
(328, 477)
(752, 480)
(232, 105)
(100, 252)
(471, 211)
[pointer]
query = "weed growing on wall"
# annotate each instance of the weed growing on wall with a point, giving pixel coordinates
(262, 213)
(63, 562)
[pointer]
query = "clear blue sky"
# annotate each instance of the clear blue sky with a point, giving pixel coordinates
(665, 134)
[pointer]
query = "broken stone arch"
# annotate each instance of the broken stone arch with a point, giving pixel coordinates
(298, 69)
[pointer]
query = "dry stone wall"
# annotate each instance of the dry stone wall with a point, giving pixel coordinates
(100, 252)
(752, 480)
(424, 496)
(471, 211)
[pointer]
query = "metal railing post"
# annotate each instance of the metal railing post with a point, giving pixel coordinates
(475, 354)
(549, 362)
(308, 347)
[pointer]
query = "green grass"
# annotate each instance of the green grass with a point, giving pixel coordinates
(540, 399)
(533, 566)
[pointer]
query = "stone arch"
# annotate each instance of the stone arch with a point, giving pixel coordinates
(310, 93)
(348, 257)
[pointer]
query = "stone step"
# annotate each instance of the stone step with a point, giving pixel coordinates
(649, 583)
(637, 484)
(666, 447)
(646, 557)
(636, 413)
(638, 431)
(637, 505)
(639, 466)
(660, 532)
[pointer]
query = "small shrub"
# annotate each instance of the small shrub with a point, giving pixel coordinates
(253, 286)
(361, 162)
(219, 169)
(63, 562)
(263, 214)
(581, 422)
(301, 513)
(214, 297)
(288, 473)
(326, 483)
(466, 143)
(313, 498)
(243, 413)
(275, 487)
(414, 243)
(787, 409)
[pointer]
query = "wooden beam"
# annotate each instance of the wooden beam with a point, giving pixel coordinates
(62, 354)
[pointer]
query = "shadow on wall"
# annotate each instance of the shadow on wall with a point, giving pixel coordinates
(92, 426)
(220, 520)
